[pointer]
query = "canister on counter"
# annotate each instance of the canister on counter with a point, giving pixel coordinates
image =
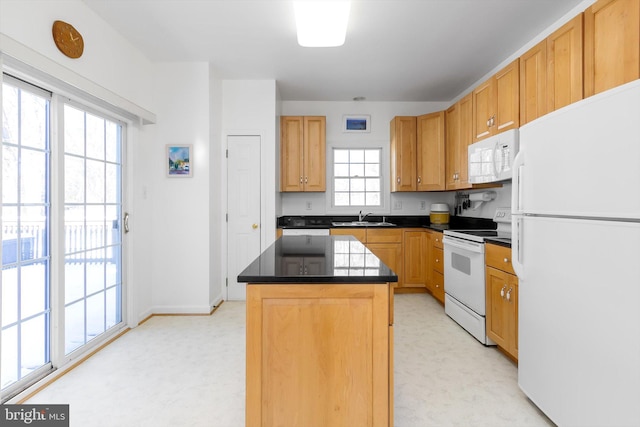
(439, 213)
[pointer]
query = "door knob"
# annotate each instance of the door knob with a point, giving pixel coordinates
(254, 226)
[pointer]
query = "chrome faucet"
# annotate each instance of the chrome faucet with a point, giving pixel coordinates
(362, 217)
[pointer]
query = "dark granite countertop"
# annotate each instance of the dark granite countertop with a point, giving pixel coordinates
(404, 221)
(498, 241)
(317, 259)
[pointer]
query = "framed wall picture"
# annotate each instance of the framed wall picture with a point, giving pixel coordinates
(179, 161)
(356, 123)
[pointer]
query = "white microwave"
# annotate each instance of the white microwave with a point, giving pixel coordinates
(491, 159)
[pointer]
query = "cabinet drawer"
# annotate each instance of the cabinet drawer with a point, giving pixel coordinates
(437, 279)
(498, 257)
(382, 235)
(437, 260)
(437, 239)
(358, 233)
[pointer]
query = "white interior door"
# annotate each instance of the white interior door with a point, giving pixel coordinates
(243, 207)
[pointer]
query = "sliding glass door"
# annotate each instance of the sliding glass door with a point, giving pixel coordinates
(62, 234)
(26, 259)
(92, 212)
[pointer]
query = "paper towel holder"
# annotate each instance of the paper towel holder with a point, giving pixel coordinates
(477, 199)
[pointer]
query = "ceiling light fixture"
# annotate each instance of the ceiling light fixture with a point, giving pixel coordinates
(322, 23)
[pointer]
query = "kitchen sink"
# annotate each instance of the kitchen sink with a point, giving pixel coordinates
(362, 224)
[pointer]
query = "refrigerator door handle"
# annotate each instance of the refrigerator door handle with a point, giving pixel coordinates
(516, 184)
(516, 246)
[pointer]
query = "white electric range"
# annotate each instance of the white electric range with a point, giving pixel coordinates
(464, 273)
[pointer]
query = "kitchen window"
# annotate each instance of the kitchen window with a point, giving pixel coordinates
(357, 177)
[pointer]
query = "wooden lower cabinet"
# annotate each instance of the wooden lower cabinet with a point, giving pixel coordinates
(415, 258)
(502, 299)
(435, 279)
(385, 243)
(319, 355)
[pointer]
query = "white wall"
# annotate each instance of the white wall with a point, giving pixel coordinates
(108, 60)
(180, 244)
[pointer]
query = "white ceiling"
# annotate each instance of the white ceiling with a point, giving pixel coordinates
(395, 50)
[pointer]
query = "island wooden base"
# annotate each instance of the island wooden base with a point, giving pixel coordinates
(319, 355)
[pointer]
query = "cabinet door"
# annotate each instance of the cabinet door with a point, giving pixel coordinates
(415, 258)
(564, 56)
(358, 233)
(452, 138)
(403, 154)
(507, 106)
(302, 339)
(498, 327)
(291, 152)
(483, 109)
(430, 152)
(533, 83)
(391, 255)
(611, 44)
(465, 138)
(314, 153)
(513, 313)
(502, 309)
(438, 285)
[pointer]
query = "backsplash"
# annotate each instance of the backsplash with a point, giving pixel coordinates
(400, 203)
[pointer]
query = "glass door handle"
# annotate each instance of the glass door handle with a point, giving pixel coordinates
(125, 221)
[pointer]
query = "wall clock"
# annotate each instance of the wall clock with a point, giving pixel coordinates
(68, 39)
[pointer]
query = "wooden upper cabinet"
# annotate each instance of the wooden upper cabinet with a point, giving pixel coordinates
(302, 153)
(465, 122)
(507, 106)
(403, 153)
(291, 161)
(565, 60)
(459, 134)
(452, 124)
(551, 72)
(483, 110)
(533, 83)
(315, 153)
(431, 152)
(611, 44)
(496, 103)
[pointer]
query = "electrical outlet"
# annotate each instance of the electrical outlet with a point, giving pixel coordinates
(397, 205)
(423, 205)
(309, 205)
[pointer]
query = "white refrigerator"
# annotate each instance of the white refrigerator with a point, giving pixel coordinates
(576, 251)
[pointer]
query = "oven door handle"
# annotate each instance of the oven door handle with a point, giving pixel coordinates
(467, 246)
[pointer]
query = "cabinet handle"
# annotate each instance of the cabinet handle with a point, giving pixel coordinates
(398, 180)
(300, 180)
(506, 260)
(419, 180)
(437, 260)
(509, 294)
(437, 240)
(306, 179)
(502, 291)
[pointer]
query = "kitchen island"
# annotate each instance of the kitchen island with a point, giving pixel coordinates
(319, 334)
